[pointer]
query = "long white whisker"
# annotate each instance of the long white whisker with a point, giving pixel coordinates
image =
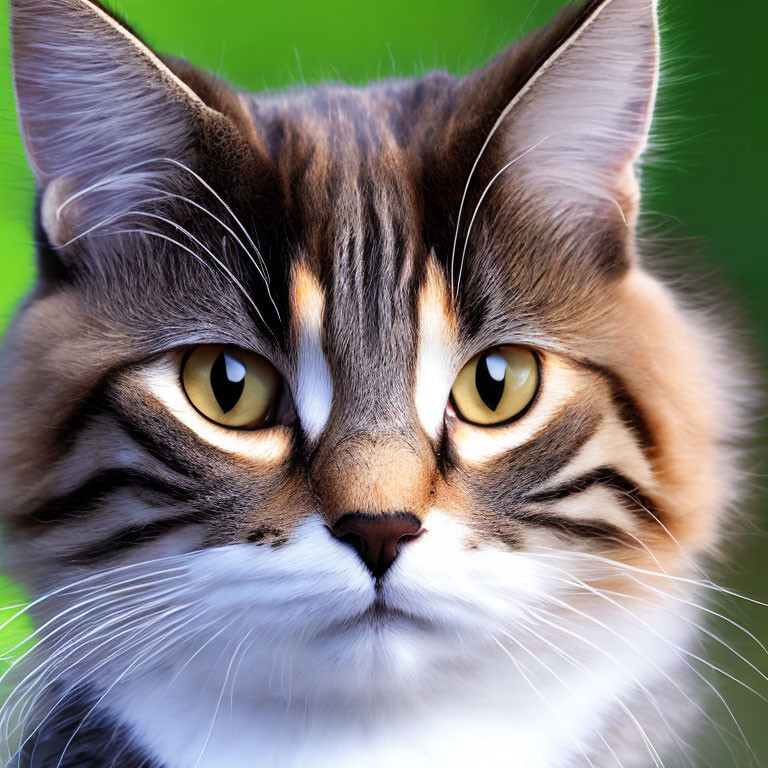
(258, 265)
(37, 676)
(121, 649)
(628, 571)
(223, 267)
(680, 652)
(121, 174)
(560, 652)
(221, 697)
(695, 567)
(96, 600)
(202, 245)
(491, 134)
(82, 635)
(540, 617)
(93, 577)
(480, 202)
(546, 702)
(558, 554)
(142, 660)
(563, 654)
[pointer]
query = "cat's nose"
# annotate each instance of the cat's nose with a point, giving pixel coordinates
(377, 538)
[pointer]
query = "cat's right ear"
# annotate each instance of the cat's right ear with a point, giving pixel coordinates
(105, 122)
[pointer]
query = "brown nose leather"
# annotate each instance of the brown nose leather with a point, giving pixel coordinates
(376, 537)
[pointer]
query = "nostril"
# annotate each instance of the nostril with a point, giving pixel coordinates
(377, 538)
(355, 541)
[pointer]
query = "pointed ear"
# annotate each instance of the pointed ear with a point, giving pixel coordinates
(577, 126)
(98, 110)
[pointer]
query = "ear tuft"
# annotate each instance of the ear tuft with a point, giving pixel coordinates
(56, 224)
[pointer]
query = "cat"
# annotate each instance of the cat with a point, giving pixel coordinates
(347, 425)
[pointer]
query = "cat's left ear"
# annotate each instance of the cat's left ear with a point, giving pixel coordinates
(575, 128)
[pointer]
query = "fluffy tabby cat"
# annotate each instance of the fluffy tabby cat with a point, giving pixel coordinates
(344, 426)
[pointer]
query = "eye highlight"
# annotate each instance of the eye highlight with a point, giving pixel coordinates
(496, 386)
(230, 386)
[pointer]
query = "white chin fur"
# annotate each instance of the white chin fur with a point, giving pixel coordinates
(299, 678)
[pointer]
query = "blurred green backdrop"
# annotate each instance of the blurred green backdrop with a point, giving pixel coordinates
(708, 186)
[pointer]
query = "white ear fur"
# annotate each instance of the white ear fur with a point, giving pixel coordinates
(584, 117)
(96, 107)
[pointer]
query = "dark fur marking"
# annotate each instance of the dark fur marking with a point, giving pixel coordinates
(87, 497)
(586, 529)
(96, 403)
(267, 535)
(546, 454)
(100, 742)
(634, 501)
(629, 409)
(134, 536)
(163, 453)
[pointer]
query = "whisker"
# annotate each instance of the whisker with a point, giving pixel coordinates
(695, 567)
(36, 677)
(546, 702)
(140, 661)
(622, 705)
(480, 202)
(132, 642)
(491, 134)
(100, 575)
(221, 696)
(628, 570)
(555, 553)
(239, 285)
(718, 728)
(680, 652)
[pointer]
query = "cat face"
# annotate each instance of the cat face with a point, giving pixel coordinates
(370, 382)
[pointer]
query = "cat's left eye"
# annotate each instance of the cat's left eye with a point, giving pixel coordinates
(496, 386)
(230, 386)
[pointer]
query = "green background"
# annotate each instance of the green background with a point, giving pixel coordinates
(705, 190)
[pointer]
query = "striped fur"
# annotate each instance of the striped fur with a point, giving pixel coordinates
(368, 242)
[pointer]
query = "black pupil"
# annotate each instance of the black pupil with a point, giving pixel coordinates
(490, 375)
(227, 381)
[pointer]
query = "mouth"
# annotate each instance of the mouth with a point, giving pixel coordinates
(380, 615)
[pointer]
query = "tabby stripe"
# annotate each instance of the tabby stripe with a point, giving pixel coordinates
(607, 477)
(545, 454)
(88, 496)
(135, 536)
(95, 404)
(157, 450)
(628, 408)
(586, 529)
(102, 402)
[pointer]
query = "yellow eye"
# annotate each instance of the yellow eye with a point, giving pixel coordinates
(496, 385)
(233, 387)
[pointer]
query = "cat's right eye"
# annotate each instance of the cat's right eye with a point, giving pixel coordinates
(230, 386)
